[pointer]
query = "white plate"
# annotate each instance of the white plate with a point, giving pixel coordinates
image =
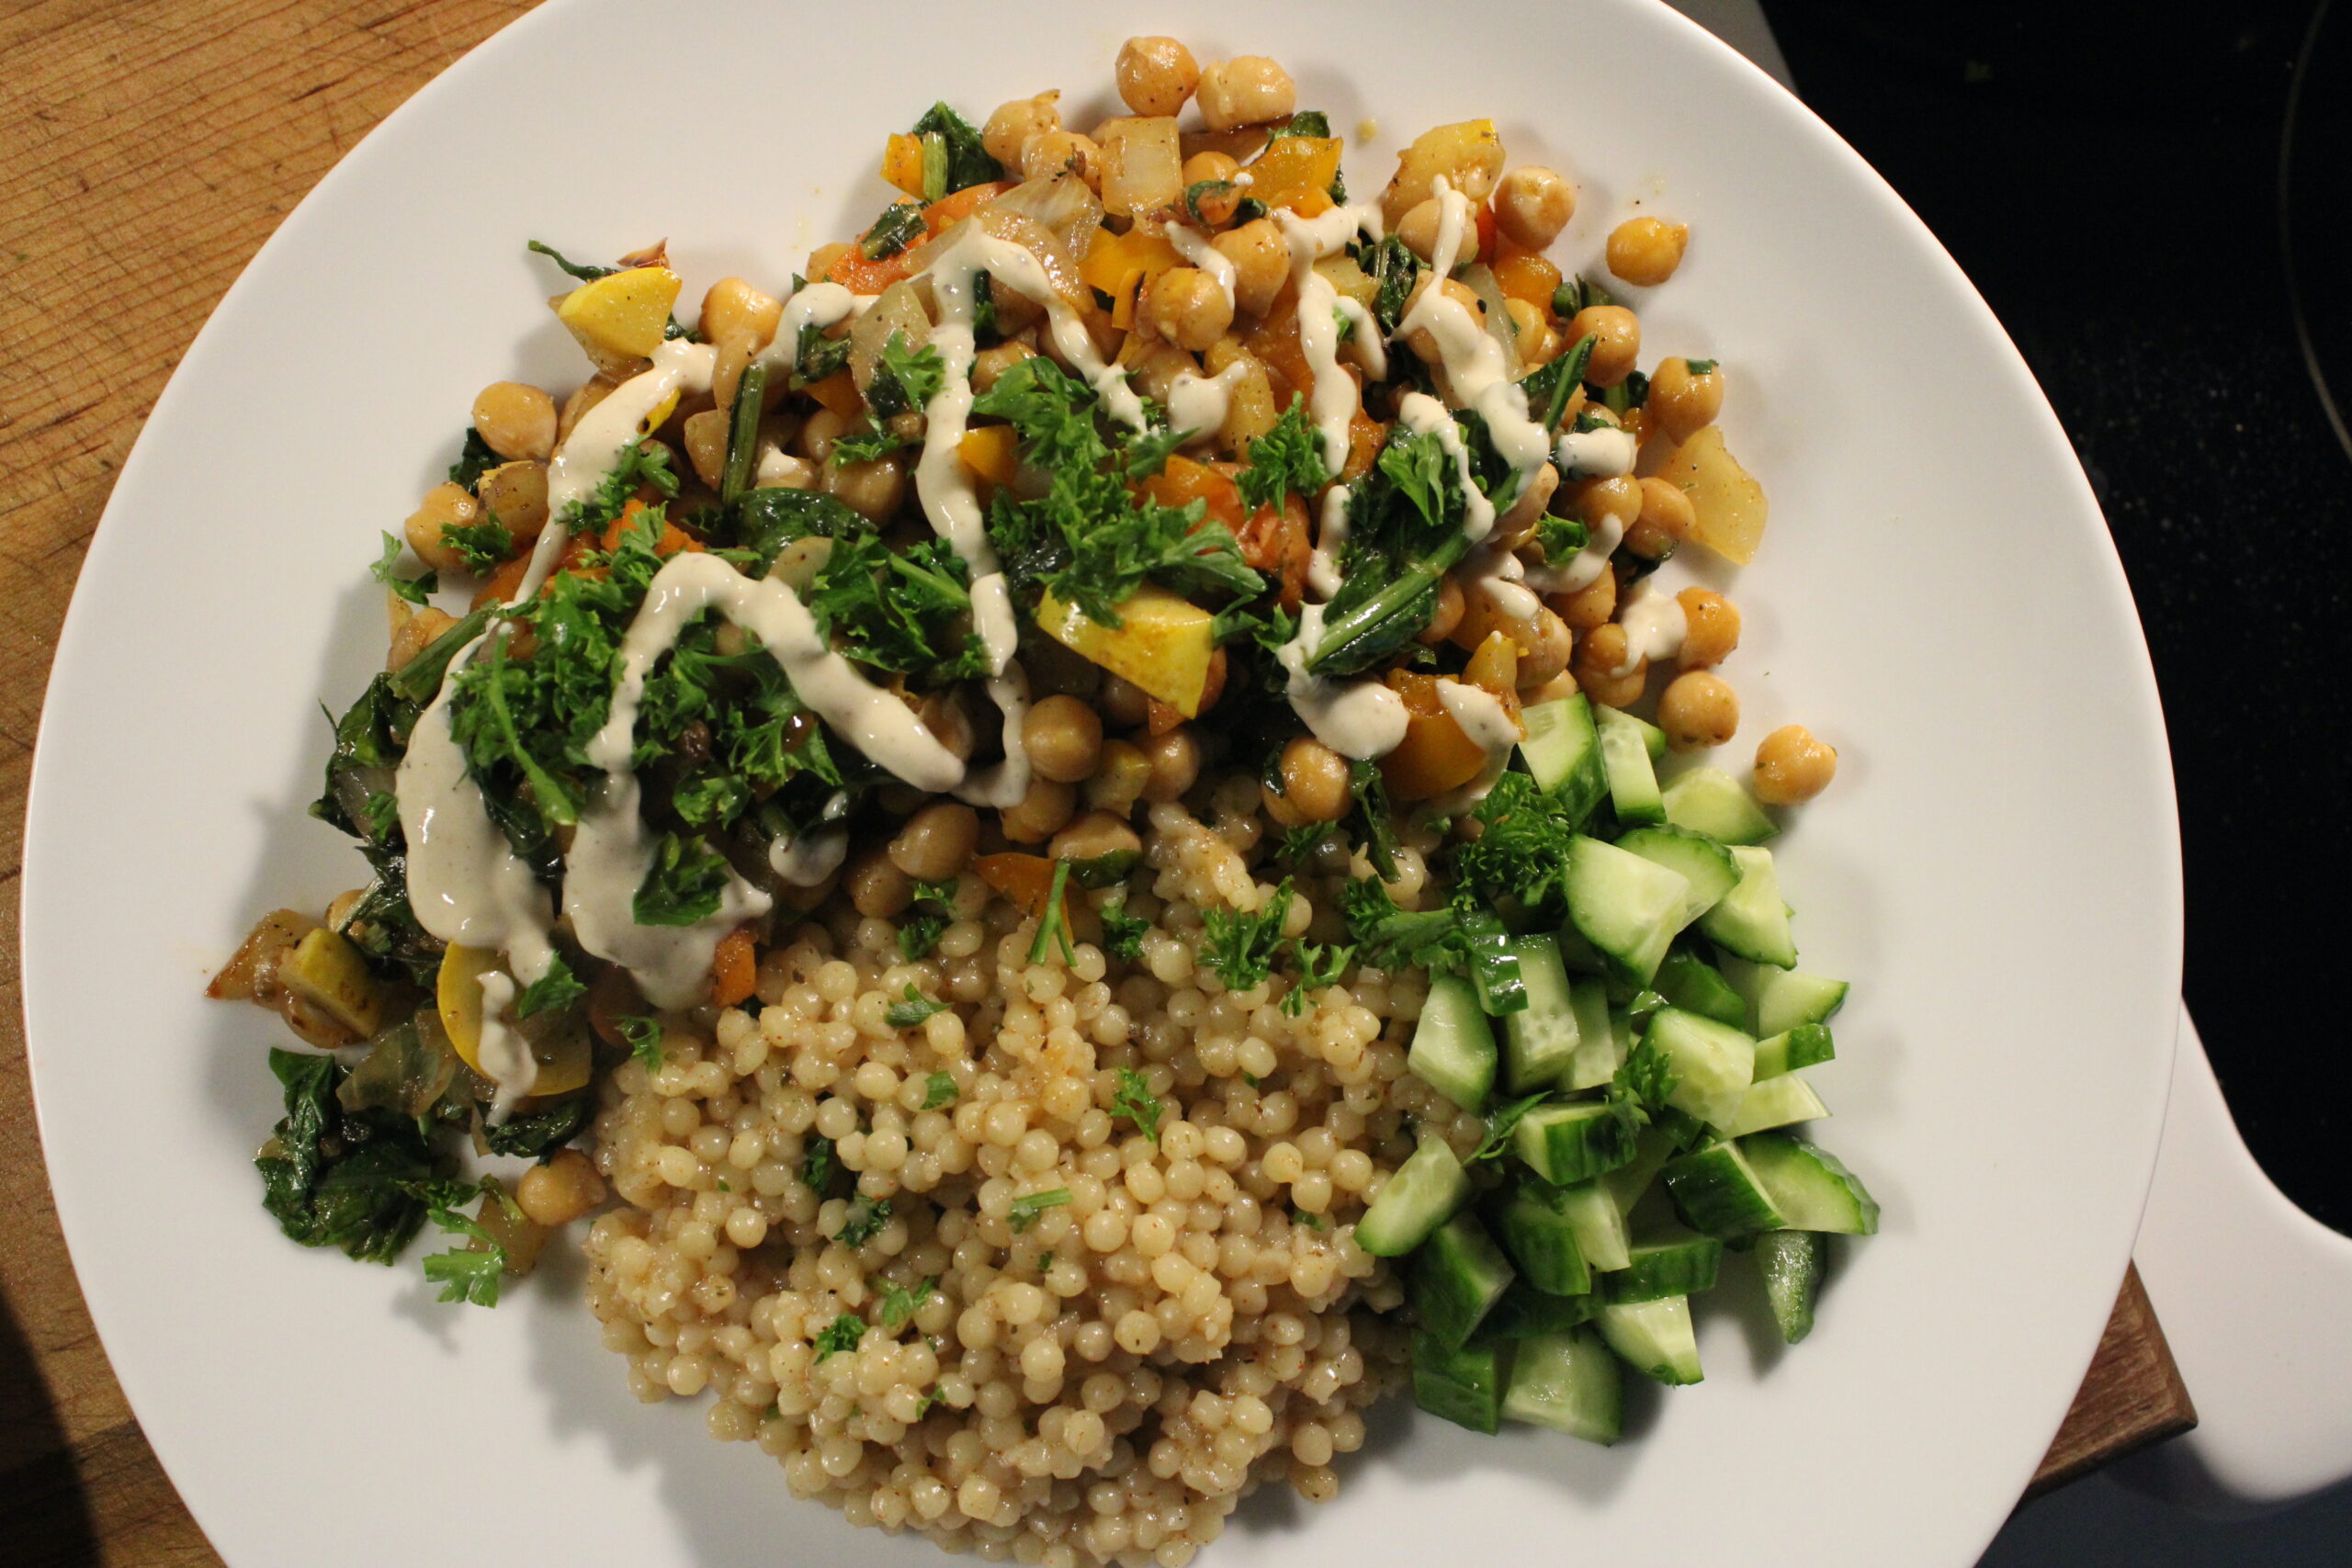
(1996, 868)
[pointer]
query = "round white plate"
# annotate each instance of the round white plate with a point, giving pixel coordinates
(1996, 868)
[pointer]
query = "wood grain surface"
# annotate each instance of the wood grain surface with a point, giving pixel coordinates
(147, 148)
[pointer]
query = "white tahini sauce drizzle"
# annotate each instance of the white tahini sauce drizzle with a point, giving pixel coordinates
(1332, 399)
(818, 305)
(1473, 358)
(1199, 403)
(1195, 248)
(1424, 415)
(1356, 718)
(1480, 713)
(504, 1055)
(1655, 627)
(1583, 569)
(1602, 454)
(805, 860)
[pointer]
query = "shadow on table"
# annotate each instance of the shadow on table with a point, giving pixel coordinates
(45, 1512)
(2102, 1521)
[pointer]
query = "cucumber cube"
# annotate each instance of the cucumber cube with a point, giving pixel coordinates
(1718, 1192)
(1710, 801)
(1705, 865)
(1655, 1339)
(1626, 757)
(1453, 1047)
(1776, 1103)
(1751, 921)
(1713, 1064)
(1457, 1277)
(1806, 1045)
(1424, 1193)
(1525, 1312)
(1563, 753)
(1793, 1263)
(1682, 1265)
(1464, 1383)
(1570, 1383)
(1569, 1143)
(1540, 1041)
(1532, 1220)
(1690, 983)
(1812, 1189)
(1627, 908)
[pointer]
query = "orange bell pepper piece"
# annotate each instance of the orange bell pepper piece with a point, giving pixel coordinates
(1296, 173)
(734, 969)
(1027, 880)
(859, 275)
(1523, 274)
(1435, 755)
(992, 451)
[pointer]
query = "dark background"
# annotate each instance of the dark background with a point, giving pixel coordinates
(2110, 174)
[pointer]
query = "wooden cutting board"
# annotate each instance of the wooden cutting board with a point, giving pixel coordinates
(147, 148)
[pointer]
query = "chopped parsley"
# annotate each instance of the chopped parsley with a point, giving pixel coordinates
(1702, 366)
(899, 1304)
(643, 1036)
(1136, 1102)
(1320, 967)
(906, 377)
(1200, 190)
(842, 1334)
(686, 885)
(472, 1273)
(816, 356)
(551, 992)
(866, 443)
(1287, 460)
(482, 546)
(1561, 537)
(475, 460)
(1240, 948)
(1028, 1207)
(909, 1013)
(1500, 1121)
(386, 572)
(919, 935)
(939, 1090)
(906, 611)
(1123, 933)
(818, 1165)
(954, 150)
(864, 1221)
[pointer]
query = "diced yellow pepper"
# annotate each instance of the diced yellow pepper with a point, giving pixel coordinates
(993, 452)
(619, 319)
(1296, 173)
(1163, 643)
(903, 163)
(325, 969)
(1120, 264)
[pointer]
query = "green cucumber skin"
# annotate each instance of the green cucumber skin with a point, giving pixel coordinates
(1793, 1263)
(1525, 1312)
(1454, 1046)
(1632, 775)
(1709, 800)
(1627, 908)
(1810, 1186)
(1751, 921)
(1718, 1194)
(1776, 1103)
(1793, 1050)
(1462, 1383)
(1706, 865)
(1563, 753)
(1599, 1224)
(1456, 1277)
(1423, 1193)
(1541, 1040)
(1691, 984)
(1533, 1223)
(1714, 1062)
(1571, 1382)
(1565, 1143)
(1686, 1266)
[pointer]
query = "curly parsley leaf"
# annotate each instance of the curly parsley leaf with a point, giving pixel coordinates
(818, 1165)
(475, 460)
(1393, 938)
(864, 1221)
(1241, 947)
(386, 571)
(899, 1304)
(1136, 1102)
(1523, 853)
(906, 377)
(1561, 537)
(1287, 460)
(939, 1091)
(842, 1334)
(685, 885)
(1123, 933)
(466, 1273)
(1500, 1121)
(483, 546)
(1703, 366)
(919, 935)
(816, 356)
(643, 1036)
(908, 611)
(1321, 965)
(555, 989)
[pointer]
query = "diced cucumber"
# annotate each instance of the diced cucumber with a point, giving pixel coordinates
(1793, 1263)
(1562, 752)
(1598, 1226)
(1705, 865)
(1570, 1142)
(1682, 1265)
(1525, 1312)
(1579, 957)
(1628, 908)
(1654, 1337)
(1540, 1041)
(1457, 1276)
(1625, 758)
(1626, 1184)
(1425, 1193)
(1718, 1193)
(1493, 965)
(1713, 1064)
(1690, 983)
(1464, 1383)
(1776, 1103)
(1532, 1220)
(1751, 921)
(1710, 801)
(1806, 1045)
(1784, 998)
(1653, 737)
(1570, 1383)
(1453, 1047)
(1811, 1186)
(1601, 1045)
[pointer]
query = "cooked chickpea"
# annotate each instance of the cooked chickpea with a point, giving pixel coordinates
(1603, 671)
(415, 634)
(1213, 207)
(1058, 150)
(708, 434)
(516, 494)
(1685, 396)
(735, 309)
(1261, 259)
(1646, 251)
(1532, 204)
(1156, 76)
(1420, 228)
(1665, 519)
(1093, 836)
(1186, 306)
(576, 406)
(995, 360)
(1119, 777)
(1589, 606)
(937, 841)
(1175, 760)
(1040, 813)
(1123, 702)
(1010, 129)
(819, 433)
(1619, 496)
(1792, 767)
(516, 421)
(872, 489)
(1247, 90)
(1698, 709)
(559, 1191)
(1526, 322)
(1711, 628)
(1315, 784)
(1617, 340)
(444, 506)
(1064, 738)
(1546, 652)
(876, 887)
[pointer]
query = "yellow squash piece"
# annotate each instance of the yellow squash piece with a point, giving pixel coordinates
(565, 1058)
(1468, 153)
(902, 163)
(992, 451)
(324, 968)
(1119, 265)
(1729, 502)
(1163, 644)
(620, 318)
